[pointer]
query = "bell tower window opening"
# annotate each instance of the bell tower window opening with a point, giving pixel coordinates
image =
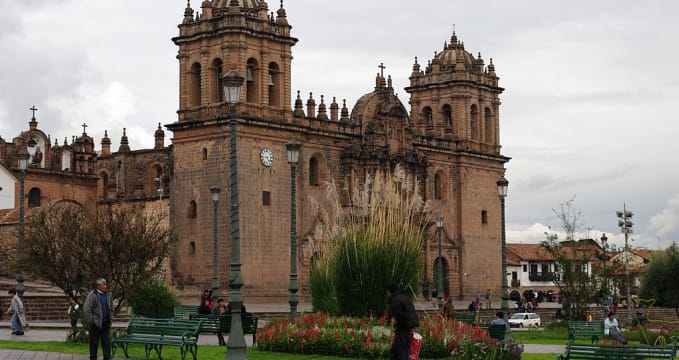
(252, 80)
(274, 83)
(474, 123)
(217, 95)
(427, 116)
(447, 113)
(195, 85)
(488, 125)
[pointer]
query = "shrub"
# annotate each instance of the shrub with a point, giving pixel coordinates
(153, 300)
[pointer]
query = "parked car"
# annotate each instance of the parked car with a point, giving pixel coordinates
(524, 320)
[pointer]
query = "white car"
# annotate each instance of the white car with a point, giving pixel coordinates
(524, 320)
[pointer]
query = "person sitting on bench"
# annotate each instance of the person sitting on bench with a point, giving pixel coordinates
(611, 328)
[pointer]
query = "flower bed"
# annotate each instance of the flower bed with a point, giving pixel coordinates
(371, 338)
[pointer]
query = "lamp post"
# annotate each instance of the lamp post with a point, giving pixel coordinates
(214, 191)
(22, 156)
(292, 148)
(625, 223)
(604, 246)
(439, 265)
(502, 186)
(233, 83)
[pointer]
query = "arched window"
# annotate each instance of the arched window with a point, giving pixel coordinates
(192, 210)
(34, 197)
(204, 154)
(439, 187)
(252, 80)
(427, 116)
(274, 83)
(313, 172)
(474, 122)
(488, 126)
(447, 116)
(195, 86)
(192, 248)
(217, 93)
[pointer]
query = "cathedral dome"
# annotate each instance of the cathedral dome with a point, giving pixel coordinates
(248, 4)
(451, 54)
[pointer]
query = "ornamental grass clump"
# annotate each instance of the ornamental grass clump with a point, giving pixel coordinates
(375, 243)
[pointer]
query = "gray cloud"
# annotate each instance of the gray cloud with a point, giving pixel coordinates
(588, 107)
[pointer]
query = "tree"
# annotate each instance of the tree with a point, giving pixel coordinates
(71, 247)
(659, 282)
(578, 287)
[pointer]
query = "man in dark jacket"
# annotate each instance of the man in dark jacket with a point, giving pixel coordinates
(98, 313)
(403, 312)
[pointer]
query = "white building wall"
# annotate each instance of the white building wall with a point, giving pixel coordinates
(8, 184)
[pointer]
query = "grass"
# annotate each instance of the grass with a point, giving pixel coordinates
(137, 352)
(172, 353)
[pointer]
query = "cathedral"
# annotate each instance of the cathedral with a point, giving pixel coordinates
(448, 139)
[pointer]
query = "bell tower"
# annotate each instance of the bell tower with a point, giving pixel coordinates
(240, 35)
(456, 97)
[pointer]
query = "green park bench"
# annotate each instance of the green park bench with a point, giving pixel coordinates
(618, 352)
(595, 330)
(213, 324)
(465, 317)
(156, 333)
(183, 311)
(496, 332)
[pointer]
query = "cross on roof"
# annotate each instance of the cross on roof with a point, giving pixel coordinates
(382, 67)
(34, 109)
(84, 125)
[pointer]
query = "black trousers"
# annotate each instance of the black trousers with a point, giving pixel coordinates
(102, 335)
(400, 348)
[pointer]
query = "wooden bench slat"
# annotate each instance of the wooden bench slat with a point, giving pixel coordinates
(624, 352)
(222, 323)
(155, 333)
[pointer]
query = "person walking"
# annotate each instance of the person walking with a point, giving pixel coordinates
(403, 312)
(16, 308)
(98, 313)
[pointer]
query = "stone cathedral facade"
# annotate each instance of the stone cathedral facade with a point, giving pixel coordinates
(449, 140)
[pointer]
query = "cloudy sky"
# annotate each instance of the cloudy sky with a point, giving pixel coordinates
(586, 114)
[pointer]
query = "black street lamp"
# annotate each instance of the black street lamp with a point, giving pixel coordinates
(236, 346)
(292, 148)
(502, 187)
(439, 266)
(604, 246)
(214, 190)
(23, 156)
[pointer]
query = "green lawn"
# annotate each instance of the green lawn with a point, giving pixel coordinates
(137, 352)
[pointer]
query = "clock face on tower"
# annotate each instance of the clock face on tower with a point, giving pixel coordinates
(266, 156)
